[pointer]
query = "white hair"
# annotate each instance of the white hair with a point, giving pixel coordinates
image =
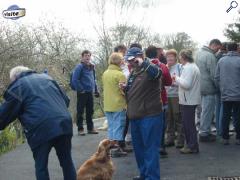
(14, 72)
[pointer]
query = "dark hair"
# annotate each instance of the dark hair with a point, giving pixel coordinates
(119, 47)
(136, 45)
(232, 46)
(86, 52)
(151, 52)
(215, 41)
(187, 55)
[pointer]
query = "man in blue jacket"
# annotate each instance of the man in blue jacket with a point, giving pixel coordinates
(84, 82)
(41, 106)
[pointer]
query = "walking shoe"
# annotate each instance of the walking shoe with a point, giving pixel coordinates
(169, 143)
(127, 149)
(186, 150)
(138, 178)
(81, 133)
(179, 145)
(225, 141)
(237, 141)
(92, 132)
(117, 153)
(208, 138)
(163, 153)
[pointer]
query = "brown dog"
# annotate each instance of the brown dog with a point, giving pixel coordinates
(100, 165)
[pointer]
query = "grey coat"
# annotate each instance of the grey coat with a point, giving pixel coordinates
(228, 76)
(207, 62)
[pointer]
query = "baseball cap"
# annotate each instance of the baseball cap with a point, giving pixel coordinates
(133, 53)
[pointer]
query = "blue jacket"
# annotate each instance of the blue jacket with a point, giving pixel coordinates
(83, 78)
(40, 105)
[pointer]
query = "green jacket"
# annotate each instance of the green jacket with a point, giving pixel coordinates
(207, 63)
(113, 96)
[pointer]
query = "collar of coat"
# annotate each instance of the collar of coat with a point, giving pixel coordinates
(114, 67)
(21, 75)
(205, 48)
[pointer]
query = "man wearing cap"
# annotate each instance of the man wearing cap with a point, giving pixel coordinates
(145, 113)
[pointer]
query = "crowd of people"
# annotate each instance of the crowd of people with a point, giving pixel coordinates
(152, 100)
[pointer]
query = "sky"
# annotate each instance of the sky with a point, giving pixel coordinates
(203, 20)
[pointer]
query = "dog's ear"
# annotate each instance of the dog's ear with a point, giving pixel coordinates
(102, 153)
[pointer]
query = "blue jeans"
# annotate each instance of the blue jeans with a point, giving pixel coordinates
(116, 125)
(208, 108)
(62, 145)
(146, 143)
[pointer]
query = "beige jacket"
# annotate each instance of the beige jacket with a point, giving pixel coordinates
(189, 85)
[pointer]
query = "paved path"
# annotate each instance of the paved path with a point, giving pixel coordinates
(213, 160)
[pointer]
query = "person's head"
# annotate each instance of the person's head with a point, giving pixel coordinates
(224, 47)
(121, 49)
(16, 71)
(186, 56)
(86, 56)
(215, 45)
(171, 56)
(232, 46)
(136, 45)
(131, 56)
(151, 52)
(116, 59)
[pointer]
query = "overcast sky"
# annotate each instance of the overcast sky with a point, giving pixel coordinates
(203, 20)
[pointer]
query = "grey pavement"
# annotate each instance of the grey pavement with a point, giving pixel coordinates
(214, 159)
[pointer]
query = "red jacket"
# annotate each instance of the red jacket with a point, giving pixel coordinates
(166, 79)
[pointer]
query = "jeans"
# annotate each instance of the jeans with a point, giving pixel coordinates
(208, 108)
(84, 100)
(116, 125)
(146, 143)
(62, 145)
(228, 108)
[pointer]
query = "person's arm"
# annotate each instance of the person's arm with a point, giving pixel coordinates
(76, 78)
(11, 107)
(153, 71)
(211, 67)
(186, 79)
(167, 79)
(217, 76)
(96, 91)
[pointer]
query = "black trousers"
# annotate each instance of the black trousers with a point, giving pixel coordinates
(231, 108)
(62, 145)
(189, 127)
(84, 100)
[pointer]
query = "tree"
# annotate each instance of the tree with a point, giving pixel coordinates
(179, 41)
(232, 32)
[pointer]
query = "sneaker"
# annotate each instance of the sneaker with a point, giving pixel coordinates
(225, 141)
(163, 153)
(81, 133)
(169, 143)
(117, 153)
(186, 150)
(92, 132)
(179, 145)
(127, 149)
(208, 138)
(237, 141)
